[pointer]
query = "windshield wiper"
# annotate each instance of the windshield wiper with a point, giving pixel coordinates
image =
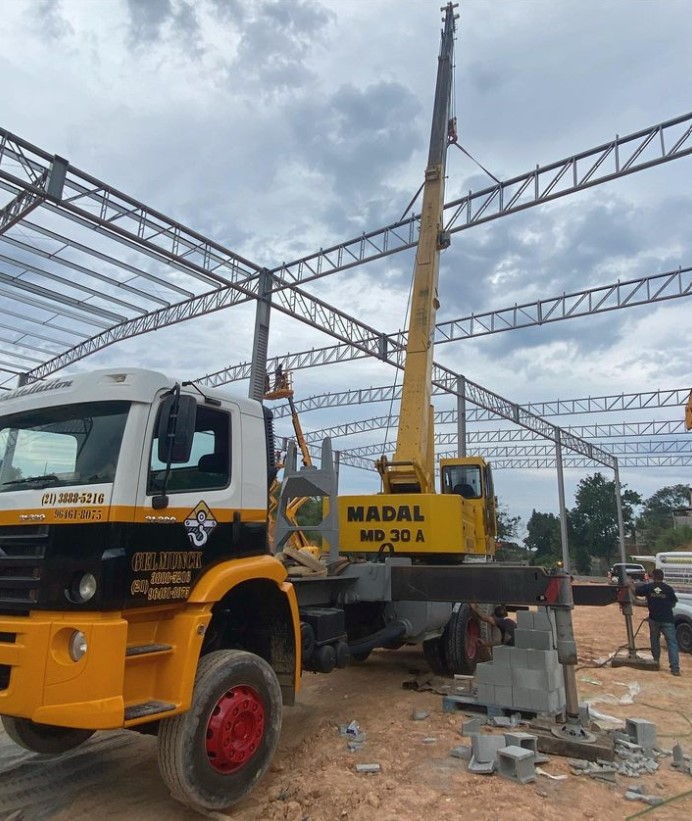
(46, 477)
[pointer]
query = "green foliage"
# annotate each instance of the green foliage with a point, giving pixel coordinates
(657, 514)
(507, 526)
(310, 512)
(543, 537)
(512, 552)
(593, 520)
(675, 538)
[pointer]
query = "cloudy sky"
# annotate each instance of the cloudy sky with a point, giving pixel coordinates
(277, 128)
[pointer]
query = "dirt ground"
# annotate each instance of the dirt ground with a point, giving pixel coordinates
(313, 778)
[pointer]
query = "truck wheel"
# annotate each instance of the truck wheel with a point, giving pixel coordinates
(213, 755)
(683, 631)
(43, 738)
(461, 637)
(434, 651)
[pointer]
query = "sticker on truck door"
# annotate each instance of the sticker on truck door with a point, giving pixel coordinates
(199, 524)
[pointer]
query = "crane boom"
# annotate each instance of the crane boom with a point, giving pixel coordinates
(412, 469)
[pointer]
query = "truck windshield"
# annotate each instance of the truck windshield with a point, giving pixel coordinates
(68, 445)
(462, 479)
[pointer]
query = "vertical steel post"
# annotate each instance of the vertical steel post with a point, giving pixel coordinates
(258, 367)
(461, 415)
(561, 497)
(626, 604)
(618, 504)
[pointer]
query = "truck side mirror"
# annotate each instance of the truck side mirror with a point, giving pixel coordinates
(176, 428)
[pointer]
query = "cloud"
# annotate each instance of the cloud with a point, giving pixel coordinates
(278, 128)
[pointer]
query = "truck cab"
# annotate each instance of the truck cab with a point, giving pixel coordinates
(135, 577)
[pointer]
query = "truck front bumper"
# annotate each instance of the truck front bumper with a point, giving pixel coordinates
(40, 680)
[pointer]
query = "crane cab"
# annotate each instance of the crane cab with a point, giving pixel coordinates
(471, 477)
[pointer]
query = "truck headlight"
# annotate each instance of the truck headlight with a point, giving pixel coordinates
(82, 588)
(77, 645)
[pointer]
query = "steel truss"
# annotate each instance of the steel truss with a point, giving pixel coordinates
(540, 463)
(624, 155)
(485, 437)
(97, 207)
(663, 398)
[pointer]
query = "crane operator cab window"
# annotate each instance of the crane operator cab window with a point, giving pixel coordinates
(464, 480)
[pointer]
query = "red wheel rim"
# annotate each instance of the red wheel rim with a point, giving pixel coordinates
(235, 729)
(473, 635)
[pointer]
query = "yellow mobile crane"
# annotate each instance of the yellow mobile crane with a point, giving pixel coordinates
(409, 518)
(409, 514)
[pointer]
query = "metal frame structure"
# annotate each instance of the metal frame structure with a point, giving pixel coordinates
(109, 226)
(120, 268)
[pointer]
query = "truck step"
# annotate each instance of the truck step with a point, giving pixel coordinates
(147, 708)
(147, 649)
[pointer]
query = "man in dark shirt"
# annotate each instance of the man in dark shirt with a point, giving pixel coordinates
(661, 598)
(501, 620)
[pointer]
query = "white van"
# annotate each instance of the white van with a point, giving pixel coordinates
(677, 570)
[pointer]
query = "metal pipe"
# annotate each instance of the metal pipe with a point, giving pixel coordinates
(563, 508)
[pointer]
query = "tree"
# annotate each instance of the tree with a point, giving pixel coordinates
(657, 513)
(594, 522)
(543, 537)
(675, 538)
(507, 526)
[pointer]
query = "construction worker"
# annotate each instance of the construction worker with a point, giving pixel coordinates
(278, 378)
(660, 598)
(501, 620)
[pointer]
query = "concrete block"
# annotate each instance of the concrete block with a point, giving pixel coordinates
(678, 756)
(485, 747)
(544, 619)
(516, 764)
(502, 656)
(481, 767)
(473, 725)
(462, 751)
(544, 680)
(485, 672)
(525, 619)
(534, 639)
(542, 703)
(524, 740)
(419, 715)
(641, 732)
(584, 713)
(368, 768)
(542, 660)
(523, 699)
(549, 703)
(504, 696)
(485, 694)
(501, 676)
(518, 657)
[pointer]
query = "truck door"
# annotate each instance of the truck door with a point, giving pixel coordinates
(200, 520)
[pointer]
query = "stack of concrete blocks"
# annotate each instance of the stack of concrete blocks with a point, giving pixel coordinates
(528, 676)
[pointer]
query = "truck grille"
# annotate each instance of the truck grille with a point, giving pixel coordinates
(21, 555)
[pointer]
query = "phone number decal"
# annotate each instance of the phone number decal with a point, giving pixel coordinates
(79, 515)
(73, 498)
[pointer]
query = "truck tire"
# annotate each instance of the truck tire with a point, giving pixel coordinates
(43, 738)
(434, 651)
(683, 632)
(214, 754)
(461, 636)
